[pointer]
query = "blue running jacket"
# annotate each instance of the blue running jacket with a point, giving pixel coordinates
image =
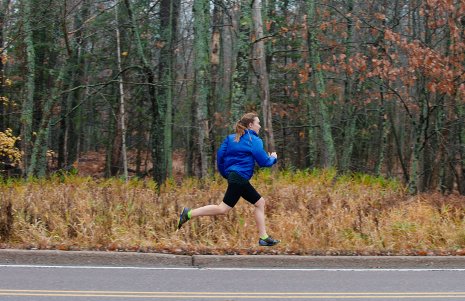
(241, 156)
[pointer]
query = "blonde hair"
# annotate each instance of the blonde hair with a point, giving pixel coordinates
(243, 124)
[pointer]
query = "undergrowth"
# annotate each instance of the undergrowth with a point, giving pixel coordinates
(312, 212)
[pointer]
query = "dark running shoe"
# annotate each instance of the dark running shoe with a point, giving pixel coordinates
(183, 217)
(268, 242)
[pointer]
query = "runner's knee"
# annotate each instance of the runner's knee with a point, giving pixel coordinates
(223, 208)
(260, 203)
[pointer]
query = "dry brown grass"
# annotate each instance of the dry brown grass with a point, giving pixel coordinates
(311, 212)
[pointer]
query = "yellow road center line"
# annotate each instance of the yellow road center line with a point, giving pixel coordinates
(243, 295)
(232, 293)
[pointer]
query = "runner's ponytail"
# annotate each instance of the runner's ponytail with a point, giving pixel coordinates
(243, 124)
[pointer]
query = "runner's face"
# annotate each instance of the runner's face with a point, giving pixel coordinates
(255, 125)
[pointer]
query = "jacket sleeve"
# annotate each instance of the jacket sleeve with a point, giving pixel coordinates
(220, 157)
(259, 154)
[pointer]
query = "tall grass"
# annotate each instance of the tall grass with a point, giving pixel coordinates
(312, 212)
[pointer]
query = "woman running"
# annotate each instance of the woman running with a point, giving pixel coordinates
(236, 161)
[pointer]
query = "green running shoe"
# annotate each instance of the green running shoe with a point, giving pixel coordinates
(183, 217)
(268, 242)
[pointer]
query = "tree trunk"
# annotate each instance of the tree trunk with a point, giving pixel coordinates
(461, 147)
(201, 66)
(382, 134)
(382, 118)
(116, 144)
(39, 152)
(27, 107)
(240, 77)
(460, 133)
(169, 11)
(312, 152)
(228, 58)
(3, 8)
(349, 112)
(419, 127)
(329, 152)
(113, 143)
(349, 135)
(259, 64)
(122, 121)
(398, 134)
(215, 99)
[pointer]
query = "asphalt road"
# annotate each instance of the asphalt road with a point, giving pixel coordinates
(38, 282)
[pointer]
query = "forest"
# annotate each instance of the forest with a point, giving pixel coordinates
(151, 87)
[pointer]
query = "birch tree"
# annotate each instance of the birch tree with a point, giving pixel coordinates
(215, 98)
(122, 104)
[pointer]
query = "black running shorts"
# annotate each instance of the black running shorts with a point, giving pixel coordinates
(239, 187)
